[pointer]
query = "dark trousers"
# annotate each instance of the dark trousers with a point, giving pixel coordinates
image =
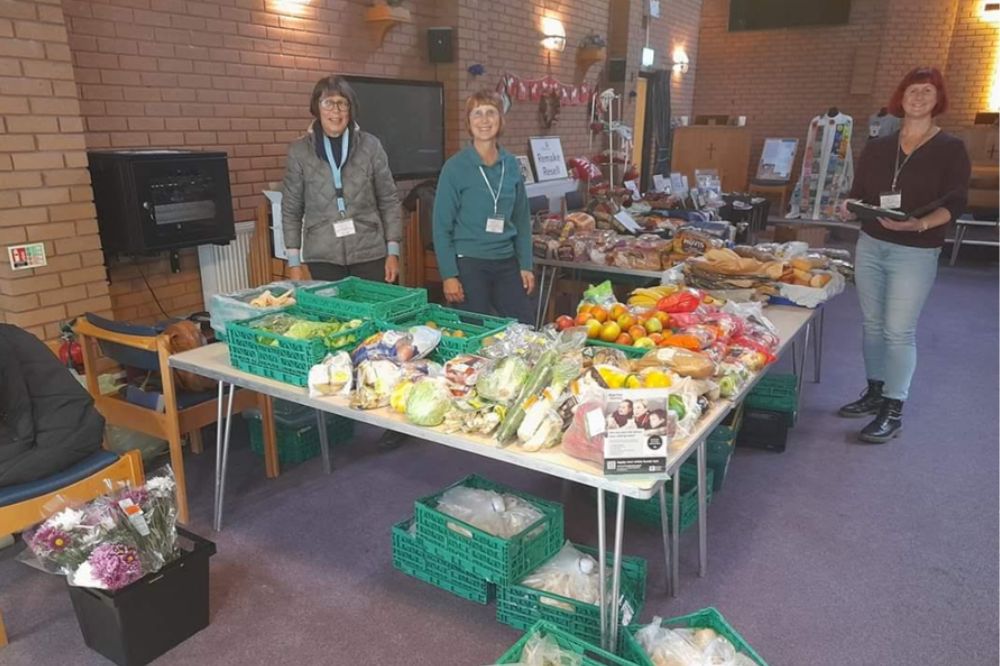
(369, 270)
(494, 286)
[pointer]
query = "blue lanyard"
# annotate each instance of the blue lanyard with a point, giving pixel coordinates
(338, 183)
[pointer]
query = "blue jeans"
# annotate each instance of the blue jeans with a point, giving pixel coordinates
(893, 283)
(495, 286)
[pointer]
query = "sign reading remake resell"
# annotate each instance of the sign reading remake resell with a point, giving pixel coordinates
(638, 427)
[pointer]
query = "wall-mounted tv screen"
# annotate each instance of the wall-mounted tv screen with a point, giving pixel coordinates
(772, 14)
(408, 118)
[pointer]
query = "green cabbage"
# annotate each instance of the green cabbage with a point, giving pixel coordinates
(503, 382)
(428, 402)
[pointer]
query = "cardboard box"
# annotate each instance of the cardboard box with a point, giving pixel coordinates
(815, 236)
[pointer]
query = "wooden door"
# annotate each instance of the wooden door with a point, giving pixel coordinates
(724, 148)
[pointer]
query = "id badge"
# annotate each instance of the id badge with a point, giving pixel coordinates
(344, 228)
(494, 225)
(890, 200)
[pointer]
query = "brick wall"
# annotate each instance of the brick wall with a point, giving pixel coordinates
(45, 193)
(780, 79)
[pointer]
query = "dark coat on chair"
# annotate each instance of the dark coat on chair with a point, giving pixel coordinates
(47, 419)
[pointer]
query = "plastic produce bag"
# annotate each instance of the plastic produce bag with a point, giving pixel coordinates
(504, 381)
(463, 372)
(375, 383)
(428, 402)
(248, 303)
(542, 650)
(584, 438)
(569, 573)
(501, 515)
(399, 346)
(334, 376)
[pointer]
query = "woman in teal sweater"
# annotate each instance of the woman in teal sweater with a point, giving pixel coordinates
(482, 223)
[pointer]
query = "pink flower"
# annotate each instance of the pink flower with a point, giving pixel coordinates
(115, 565)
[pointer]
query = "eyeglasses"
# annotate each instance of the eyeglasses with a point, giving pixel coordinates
(331, 104)
(488, 113)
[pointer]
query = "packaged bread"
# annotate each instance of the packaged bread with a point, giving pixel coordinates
(684, 362)
(820, 280)
(582, 221)
(693, 243)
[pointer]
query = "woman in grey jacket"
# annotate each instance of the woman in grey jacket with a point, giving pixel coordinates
(340, 209)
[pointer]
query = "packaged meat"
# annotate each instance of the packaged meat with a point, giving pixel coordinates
(462, 373)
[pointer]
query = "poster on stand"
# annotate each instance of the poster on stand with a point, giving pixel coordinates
(776, 160)
(638, 427)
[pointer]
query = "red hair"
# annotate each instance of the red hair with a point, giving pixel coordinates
(929, 75)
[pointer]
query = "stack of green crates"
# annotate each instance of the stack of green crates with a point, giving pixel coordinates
(521, 606)
(474, 328)
(720, 444)
(354, 298)
(466, 561)
(648, 511)
(707, 618)
(776, 393)
(590, 654)
(297, 431)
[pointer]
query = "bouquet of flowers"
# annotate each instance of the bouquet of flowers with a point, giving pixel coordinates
(113, 540)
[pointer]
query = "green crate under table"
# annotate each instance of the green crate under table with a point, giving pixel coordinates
(648, 511)
(590, 654)
(706, 618)
(410, 557)
(297, 435)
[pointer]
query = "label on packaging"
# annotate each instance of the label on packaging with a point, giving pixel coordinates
(639, 428)
(595, 423)
(135, 516)
(344, 228)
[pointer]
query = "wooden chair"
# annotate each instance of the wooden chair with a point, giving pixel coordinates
(183, 413)
(22, 506)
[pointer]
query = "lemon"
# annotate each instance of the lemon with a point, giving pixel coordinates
(657, 379)
(633, 382)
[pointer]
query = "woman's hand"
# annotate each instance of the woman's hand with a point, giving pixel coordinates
(391, 268)
(912, 224)
(297, 273)
(528, 280)
(843, 213)
(453, 292)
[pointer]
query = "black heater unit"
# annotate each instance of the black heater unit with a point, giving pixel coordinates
(161, 200)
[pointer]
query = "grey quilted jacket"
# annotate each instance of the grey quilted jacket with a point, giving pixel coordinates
(309, 202)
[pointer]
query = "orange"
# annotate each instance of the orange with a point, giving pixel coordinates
(624, 339)
(583, 318)
(626, 321)
(599, 313)
(593, 328)
(617, 310)
(637, 332)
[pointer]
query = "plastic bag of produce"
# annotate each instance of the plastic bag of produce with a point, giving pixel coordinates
(428, 402)
(334, 376)
(248, 303)
(541, 650)
(584, 438)
(501, 515)
(503, 381)
(398, 346)
(463, 372)
(375, 382)
(569, 573)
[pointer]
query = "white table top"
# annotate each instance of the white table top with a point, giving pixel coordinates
(598, 268)
(212, 361)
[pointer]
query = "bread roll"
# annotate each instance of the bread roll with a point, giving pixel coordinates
(819, 280)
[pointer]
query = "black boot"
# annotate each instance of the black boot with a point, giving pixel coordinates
(869, 403)
(886, 425)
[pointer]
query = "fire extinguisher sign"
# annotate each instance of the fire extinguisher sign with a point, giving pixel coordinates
(26, 256)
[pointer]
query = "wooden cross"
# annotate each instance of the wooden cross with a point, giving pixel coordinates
(711, 149)
(993, 151)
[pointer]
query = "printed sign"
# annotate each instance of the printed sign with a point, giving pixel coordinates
(639, 429)
(26, 256)
(547, 154)
(526, 174)
(776, 159)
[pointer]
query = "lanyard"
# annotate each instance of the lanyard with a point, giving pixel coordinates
(899, 149)
(338, 183)
(495, 194)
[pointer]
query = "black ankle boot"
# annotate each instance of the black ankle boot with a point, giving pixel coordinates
(869, 403)
(886, 425)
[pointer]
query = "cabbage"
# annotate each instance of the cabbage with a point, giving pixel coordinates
(428, 402)
(504, 381)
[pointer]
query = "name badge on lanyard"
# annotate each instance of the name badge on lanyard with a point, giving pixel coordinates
(890, 200)
(344, 226)
(495, 223)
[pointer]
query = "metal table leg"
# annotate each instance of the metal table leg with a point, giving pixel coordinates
(702, 510)
(818, 343)
(545, 283)
(222, 456)
(805, 355)
(218, 452)
(675, 535)
(616, 576)
(602, 567)
(324, 441)
(665, 533)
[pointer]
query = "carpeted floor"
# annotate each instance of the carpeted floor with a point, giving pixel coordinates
(830, 553)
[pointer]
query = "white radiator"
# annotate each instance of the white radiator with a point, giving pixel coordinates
(226, 268)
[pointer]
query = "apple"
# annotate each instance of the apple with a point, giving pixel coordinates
(644, 343)
(624, 339)
(626, 321)
(584, 308)
(656, 338)
(637, 332)
(610, 331)
(564, 322)
(663, 317)
(653, 325)
(617, 310)
(593, 328)
(583, 317)
(599, 313)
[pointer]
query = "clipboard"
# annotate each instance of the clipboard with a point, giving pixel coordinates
(872, 213)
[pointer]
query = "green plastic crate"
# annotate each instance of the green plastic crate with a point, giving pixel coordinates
(498, 560)
(648, 511)
(591, 654)
(521, 606)
(720, 444)
(298, 438)
(475, 327)
(354, 298)
(631, 352)
(409, 556)
(776, 393)
(290, 360)
(706, 618)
